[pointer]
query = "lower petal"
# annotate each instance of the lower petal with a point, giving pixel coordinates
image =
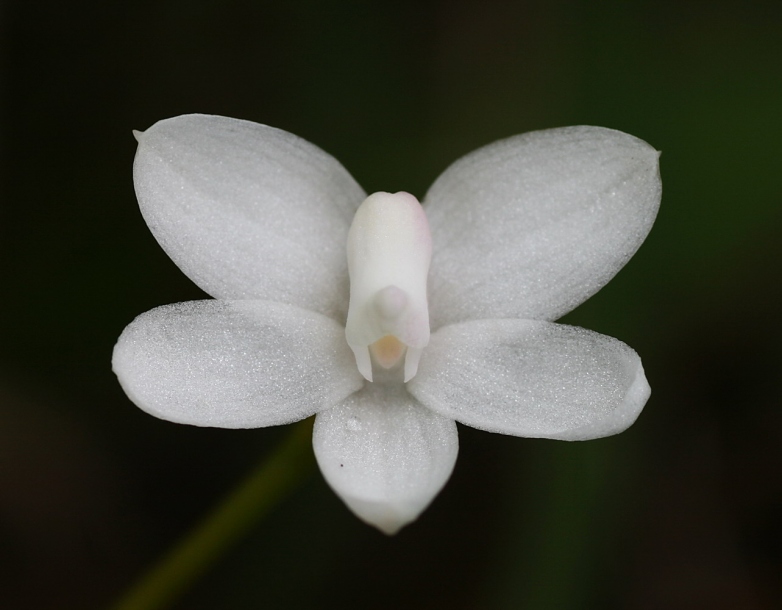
(384, 454)
(234, 364)
(531, 378)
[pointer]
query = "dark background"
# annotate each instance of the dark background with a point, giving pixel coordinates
(683, 511)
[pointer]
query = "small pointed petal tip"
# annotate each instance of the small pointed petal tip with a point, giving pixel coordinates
(138, 135)
(637, 396)
(387, 518)
(625, 414)
(412, 358)
(363, 361)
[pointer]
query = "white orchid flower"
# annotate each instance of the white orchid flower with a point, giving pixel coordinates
(321, 304)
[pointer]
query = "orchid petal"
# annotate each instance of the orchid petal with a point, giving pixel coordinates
(531, 378)
(248, 211)
(532, 226)
(384, 454)
(234, 364)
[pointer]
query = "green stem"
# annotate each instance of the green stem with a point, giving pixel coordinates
(186, 562)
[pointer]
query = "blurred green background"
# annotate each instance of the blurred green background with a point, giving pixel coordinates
(682, 511)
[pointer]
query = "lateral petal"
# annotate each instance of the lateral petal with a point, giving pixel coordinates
(385, 455)
(531, 378)
(234, 364)
(532, 226)
(248, 211)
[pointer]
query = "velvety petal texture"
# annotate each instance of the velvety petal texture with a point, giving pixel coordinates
(384, 454)
(234, 364)
(248, 211)
(531, 226)
(531, 378)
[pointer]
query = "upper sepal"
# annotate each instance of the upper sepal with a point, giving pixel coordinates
(248, 211)
(532, 226)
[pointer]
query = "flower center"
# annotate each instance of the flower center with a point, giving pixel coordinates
(389, 250)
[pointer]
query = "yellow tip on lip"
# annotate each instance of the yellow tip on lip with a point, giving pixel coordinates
(387, 351)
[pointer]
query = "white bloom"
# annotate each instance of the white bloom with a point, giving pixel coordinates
(522, 231)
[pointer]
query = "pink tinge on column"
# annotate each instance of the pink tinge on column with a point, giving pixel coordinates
(389, 251)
